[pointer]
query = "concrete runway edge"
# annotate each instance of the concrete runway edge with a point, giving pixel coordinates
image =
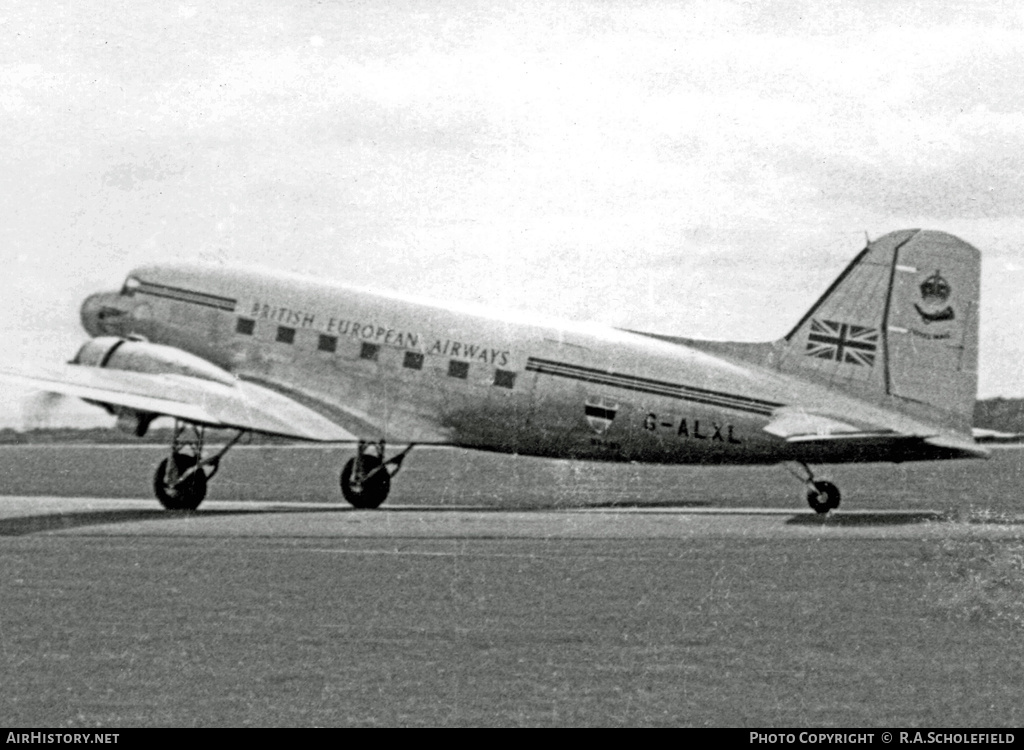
(20, 516)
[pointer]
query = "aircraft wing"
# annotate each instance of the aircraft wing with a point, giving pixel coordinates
(242, 406)
(815, 426)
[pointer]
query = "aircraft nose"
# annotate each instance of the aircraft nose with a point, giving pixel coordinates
(98, 314)
(90, 314)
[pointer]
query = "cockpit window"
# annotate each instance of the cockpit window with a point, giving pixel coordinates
(130, 285)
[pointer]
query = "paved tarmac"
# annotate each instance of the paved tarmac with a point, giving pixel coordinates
(118, 613)
(235, 519)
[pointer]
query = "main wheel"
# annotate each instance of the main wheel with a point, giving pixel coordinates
(179, 495)
(824, 497)
(369, 493)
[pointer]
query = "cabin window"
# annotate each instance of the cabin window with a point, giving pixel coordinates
(458, 369)
(245, 326)
(504, 379)
(285, 335)
(130, 285)
(328, 343)
(413, 360)
(369, 351)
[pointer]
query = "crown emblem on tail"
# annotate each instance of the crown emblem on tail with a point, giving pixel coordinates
(935, 290)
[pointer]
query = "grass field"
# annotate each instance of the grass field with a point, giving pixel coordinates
(138, 627)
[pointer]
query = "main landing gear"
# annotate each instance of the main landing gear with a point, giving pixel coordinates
(181, 478)
(822, 496)
(366, 479)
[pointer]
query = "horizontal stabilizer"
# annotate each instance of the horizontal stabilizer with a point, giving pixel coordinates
(847, 436)
(801, 426)
(962, 446)
(982, 435)
(243, 406)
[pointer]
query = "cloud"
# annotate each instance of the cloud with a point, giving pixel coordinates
(656, 165)
(980, 178)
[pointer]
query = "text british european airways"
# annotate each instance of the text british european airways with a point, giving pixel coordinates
(376, 333)
(380, 334)
(283, 315)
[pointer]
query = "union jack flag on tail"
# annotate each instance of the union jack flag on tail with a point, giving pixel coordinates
(842, 342)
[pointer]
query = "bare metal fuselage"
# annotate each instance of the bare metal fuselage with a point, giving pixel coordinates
(394, 369)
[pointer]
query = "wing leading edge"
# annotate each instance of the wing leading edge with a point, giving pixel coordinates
(242, 405)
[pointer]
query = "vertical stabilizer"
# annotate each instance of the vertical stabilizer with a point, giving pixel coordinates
(899, 326)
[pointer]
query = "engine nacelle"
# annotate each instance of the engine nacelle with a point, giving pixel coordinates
(131, 421)
(116, 353)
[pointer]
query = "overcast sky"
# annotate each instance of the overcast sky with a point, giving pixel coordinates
(692, 168)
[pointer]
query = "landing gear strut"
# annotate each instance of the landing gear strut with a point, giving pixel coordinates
(181, 478)
(366, 479)
(822, 496)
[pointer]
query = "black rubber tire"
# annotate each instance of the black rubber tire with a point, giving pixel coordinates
(824, 497)
(187, 495)
(373, 492)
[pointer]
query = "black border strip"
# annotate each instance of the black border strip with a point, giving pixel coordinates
(186, 295)
(655, 387)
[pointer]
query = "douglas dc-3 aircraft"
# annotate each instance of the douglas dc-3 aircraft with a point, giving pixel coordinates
(881, 368)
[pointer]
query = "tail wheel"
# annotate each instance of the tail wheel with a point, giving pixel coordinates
(824, 497)
(372, 490)
(175, 493)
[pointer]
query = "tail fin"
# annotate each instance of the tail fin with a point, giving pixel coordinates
(899, 326)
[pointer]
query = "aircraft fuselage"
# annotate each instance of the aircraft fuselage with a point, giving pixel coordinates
(389, 368)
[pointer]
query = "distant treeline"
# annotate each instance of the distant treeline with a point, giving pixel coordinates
(1003, 414)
